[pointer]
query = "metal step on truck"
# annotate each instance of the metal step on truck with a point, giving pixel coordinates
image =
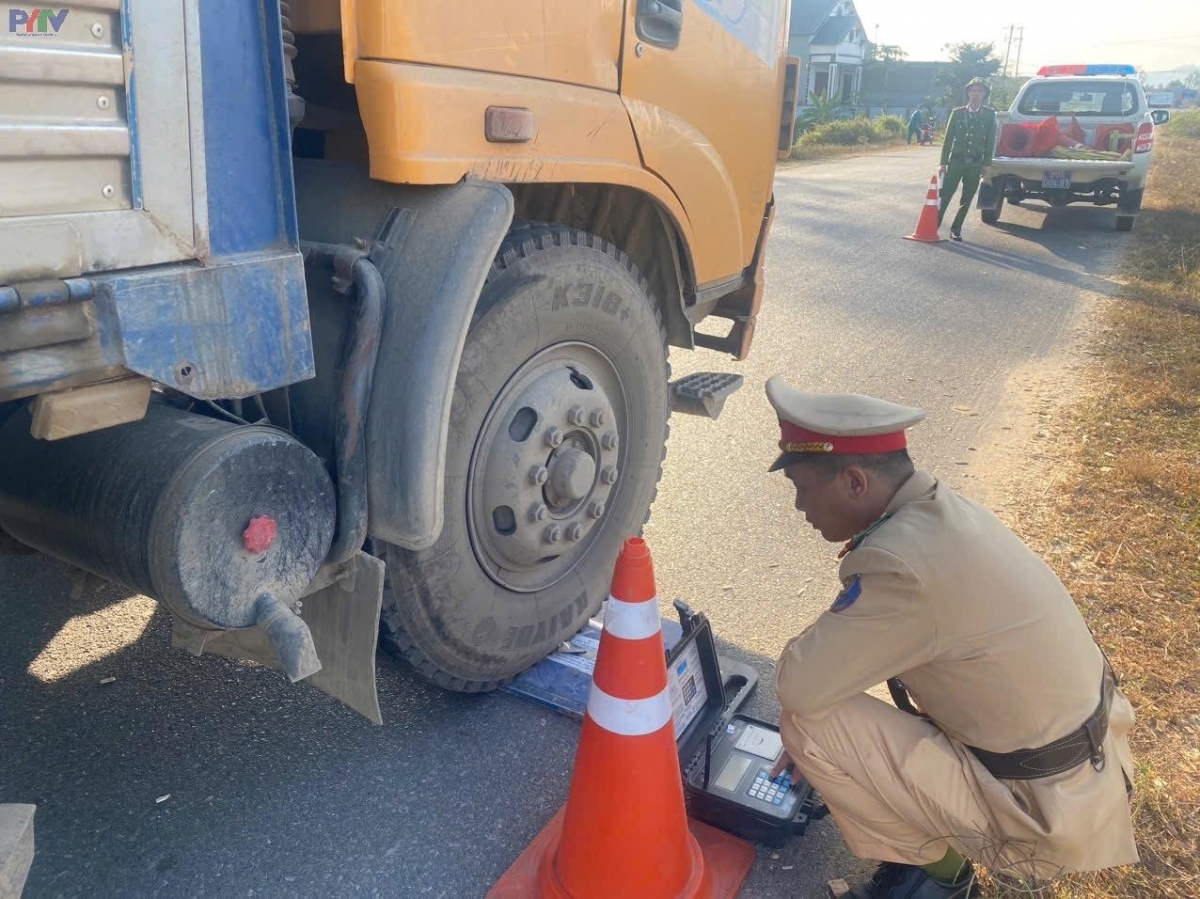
(326, 322)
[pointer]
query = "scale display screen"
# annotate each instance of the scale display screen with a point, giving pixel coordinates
(731, 774)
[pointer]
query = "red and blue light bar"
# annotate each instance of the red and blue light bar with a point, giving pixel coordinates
(1102, 69)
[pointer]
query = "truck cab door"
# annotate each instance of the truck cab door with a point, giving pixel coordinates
(702, 81)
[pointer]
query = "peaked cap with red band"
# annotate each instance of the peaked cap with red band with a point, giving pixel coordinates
(847, 423)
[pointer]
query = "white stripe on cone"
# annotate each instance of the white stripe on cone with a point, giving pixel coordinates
(629, 717)
(632, 620)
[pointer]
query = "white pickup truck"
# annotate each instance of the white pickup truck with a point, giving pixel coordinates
(1096, 150)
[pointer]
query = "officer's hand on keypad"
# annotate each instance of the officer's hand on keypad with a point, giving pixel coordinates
(783, 766)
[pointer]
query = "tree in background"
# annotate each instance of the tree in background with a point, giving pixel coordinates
(883, 53)
(882, 56)
(821, 111)
(967, 60)
(1193, 81)
(1004, 91)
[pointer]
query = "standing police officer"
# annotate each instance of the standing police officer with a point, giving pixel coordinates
(1015, 751)
(967, 152)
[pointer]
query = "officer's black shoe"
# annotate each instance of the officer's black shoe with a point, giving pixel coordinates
(895, 881)
(954, 235)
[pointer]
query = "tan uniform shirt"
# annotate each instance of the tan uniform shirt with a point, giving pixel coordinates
(991, 646)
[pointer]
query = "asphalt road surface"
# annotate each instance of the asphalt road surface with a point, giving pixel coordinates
(188, 777)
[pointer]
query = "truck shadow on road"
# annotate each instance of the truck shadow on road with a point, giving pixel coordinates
(1083, 239)
(1065, 219)
(206, 777)
(209, 777)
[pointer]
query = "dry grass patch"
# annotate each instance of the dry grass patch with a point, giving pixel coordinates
(1125, 525)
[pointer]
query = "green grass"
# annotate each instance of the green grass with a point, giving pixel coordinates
(1185, 123)
(834, 138)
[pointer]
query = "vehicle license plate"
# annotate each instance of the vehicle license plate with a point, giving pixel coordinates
(1056, 180)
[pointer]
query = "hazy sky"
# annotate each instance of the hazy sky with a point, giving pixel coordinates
(1153, 34)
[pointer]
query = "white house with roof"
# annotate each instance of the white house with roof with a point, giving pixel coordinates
(831, 42)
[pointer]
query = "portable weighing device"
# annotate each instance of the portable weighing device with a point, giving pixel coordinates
(727, 757)
(740, 769)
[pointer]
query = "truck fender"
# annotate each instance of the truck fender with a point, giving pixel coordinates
(434, 246)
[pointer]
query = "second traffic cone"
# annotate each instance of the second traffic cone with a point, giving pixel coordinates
(624, 831)
(927, 224)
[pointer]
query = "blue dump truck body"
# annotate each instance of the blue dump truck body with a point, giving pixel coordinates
(169, 202)
(149, 241)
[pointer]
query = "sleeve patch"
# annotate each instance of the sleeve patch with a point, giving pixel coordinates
(849, 594)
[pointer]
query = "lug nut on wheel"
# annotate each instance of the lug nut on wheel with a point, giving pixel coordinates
(596, 510)
(554, 437)
(552, 534)
(575, 532)
(609, 440)
(609, 476)
(577, 416)
(538, 512)
(538, 474)
(596, 418)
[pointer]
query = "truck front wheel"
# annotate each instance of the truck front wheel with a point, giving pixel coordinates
(557, 434)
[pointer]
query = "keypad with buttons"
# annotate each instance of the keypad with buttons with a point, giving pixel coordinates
(771, 790)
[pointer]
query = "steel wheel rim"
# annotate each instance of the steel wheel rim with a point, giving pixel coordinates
(546, 466)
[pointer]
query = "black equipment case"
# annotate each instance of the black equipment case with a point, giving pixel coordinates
(726, 757)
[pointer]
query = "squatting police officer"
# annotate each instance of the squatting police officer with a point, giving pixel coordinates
(1009, 743)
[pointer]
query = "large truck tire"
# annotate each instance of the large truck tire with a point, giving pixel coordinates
(558, 428)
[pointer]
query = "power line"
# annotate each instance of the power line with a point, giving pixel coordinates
(1017, 31)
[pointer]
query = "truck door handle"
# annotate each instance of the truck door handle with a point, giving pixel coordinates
(660, 22)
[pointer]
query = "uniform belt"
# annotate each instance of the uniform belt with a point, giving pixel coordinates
(1083, 744)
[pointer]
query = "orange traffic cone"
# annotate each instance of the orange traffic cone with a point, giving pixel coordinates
(624, 832)
(927, 224)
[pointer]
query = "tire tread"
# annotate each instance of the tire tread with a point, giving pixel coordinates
(525, 239)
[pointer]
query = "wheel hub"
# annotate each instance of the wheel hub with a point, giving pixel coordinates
(572, 474)
(544, 467)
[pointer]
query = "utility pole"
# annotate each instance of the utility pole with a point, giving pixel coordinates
(1020, 41)
(884, 60)
(1008, 49)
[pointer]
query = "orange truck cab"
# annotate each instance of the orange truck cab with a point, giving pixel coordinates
(672, 103)
(417, 265)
